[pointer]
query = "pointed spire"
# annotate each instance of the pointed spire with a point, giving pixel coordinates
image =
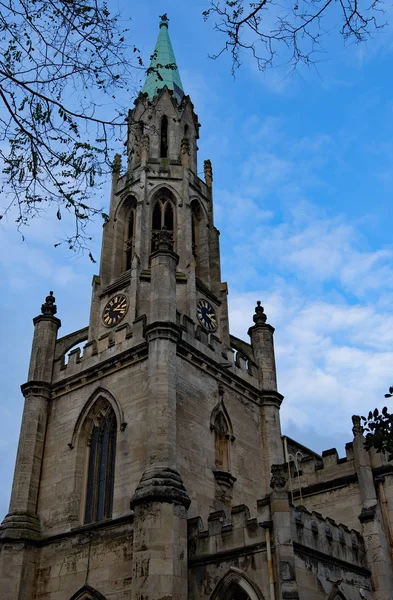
(163, 69)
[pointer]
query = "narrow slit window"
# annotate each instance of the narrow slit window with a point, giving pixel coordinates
(129, 245)
(164, 137)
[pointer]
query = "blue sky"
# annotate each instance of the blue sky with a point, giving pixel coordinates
(303, 178)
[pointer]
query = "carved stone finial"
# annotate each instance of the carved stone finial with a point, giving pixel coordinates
(259, 318)
(185, 146)
(357, 428)
(278, 479)
(164, 239)
(221, 390)
(164, 20)
(208, 172)
(116, 165)
(49, 308)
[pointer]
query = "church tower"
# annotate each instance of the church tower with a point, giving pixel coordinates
(150, 463)
(163, 416)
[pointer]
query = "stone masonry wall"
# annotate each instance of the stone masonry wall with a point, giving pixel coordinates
(100, 558)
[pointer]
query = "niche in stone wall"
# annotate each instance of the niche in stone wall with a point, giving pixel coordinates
(221, 427)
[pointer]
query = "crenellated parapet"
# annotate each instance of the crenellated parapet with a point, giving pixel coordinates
(324, 535)
(71, 358)
(225, 534)
(312, 472)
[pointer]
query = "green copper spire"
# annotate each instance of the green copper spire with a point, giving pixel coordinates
(163, 68)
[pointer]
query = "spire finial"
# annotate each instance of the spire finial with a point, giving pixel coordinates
(49, 309)
(259, 318)
(164, 20)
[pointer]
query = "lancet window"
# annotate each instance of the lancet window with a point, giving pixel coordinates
(101, 467)
(164, 137)
(162, 218)
(129, 238)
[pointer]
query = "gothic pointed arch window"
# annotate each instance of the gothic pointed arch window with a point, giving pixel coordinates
(127, 220)
(164, 137)
(196, 218)
(101, 466)
(235, 585)
(200, 241)
(130, 238)
(87, 593)
(163, 217)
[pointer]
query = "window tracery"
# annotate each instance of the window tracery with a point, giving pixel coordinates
(163, 217)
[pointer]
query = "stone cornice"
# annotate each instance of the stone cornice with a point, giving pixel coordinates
(227, 554)
(162, 329)
(36, 388)
(54, 320)
(161, 484)
(271, 397)
(169, 253)
(261, 326)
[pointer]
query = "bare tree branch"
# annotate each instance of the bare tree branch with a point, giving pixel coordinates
(292, 31)
(59, 60)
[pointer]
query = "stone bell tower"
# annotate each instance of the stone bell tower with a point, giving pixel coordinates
(162, 415)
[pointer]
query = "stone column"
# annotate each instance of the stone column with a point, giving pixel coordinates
(262, 343)
(21, 528)
(373, 531)
(281, 518)
(160, 501)
(22, 520)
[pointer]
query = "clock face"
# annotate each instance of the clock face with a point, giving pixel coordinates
(206, 315)
(115, 310)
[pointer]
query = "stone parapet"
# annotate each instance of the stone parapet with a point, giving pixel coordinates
(224, 535)
(324, 535)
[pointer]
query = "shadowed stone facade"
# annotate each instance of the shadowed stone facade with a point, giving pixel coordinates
(151, 464)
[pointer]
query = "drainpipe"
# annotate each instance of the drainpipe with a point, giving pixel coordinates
(266, 525)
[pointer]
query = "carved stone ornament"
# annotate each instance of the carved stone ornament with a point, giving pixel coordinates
(185, 146)
(208, 172)
(116, 165)
(49, 308)
(357, 428)
(259, 318)
(163, 239)
(278, 479)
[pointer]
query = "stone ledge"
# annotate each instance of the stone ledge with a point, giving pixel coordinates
(18, 526)
(161, 484)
